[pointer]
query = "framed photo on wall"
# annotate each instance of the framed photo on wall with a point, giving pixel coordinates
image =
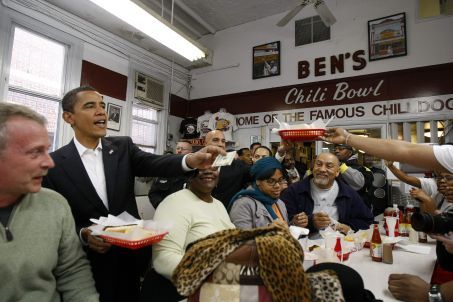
(266, 60)
(114, 117)
(387, 37)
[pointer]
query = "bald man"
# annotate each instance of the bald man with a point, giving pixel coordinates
(232, 178)
(326, 200)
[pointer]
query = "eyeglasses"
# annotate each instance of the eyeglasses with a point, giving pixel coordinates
(445, 177)
(272, 182)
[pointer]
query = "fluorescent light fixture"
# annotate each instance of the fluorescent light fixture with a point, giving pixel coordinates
(150, 25)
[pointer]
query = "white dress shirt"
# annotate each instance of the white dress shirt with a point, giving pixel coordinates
(92, 161)
(324, 199)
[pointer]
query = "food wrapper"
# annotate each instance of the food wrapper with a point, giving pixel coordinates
(137, 229)
(297, 232)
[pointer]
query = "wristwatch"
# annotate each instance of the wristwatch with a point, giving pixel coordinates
(434, 294)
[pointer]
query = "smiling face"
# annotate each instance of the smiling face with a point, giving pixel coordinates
(326, 168)
(204, 182)
(88, 119)
(273, 185)
(25, 160)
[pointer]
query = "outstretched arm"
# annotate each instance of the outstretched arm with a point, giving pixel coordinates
(414, 154)
(410, 180)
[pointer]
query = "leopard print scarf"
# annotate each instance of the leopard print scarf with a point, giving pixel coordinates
(280, 259)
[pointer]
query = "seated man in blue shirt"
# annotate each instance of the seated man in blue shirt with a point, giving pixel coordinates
(325, 200)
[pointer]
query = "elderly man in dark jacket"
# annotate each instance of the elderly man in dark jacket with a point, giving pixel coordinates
(325, 200)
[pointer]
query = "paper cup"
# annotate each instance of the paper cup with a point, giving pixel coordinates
(391, 223)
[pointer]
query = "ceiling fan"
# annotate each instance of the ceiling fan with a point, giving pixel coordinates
(323, 11)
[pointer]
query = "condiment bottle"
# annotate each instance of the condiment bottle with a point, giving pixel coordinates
(376, 245)
(409, 211)
(387, 212)
(404, 227)
(396, 213)
(422, 237)
(338, 250)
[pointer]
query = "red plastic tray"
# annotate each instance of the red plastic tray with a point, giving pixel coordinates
(302, 134)
(133, 245)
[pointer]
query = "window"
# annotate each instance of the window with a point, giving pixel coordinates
(36, 77)
(144, 127)
(311, 30)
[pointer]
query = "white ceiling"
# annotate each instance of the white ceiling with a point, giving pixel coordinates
(195, 18)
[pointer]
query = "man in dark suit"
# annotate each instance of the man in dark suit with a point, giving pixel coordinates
(96, 175)
(232, 178)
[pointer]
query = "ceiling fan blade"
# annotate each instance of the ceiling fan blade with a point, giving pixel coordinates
(292, 13)
(324, 12)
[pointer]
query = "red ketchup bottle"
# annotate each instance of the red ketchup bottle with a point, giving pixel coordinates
(376, 245)
(338, 250)
(407, 219)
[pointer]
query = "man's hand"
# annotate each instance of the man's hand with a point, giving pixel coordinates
(427, 204)
(343, 228)
(446, 241)
(388, 163)
(336, 135)
(95, 243)
(284, 147)
(321, 220)
(300, 220)
(407, 287)
(203, 158)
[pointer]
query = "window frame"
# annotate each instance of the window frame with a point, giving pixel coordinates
(11, 19)
(162, 114)
(310, 21)
(145, 120)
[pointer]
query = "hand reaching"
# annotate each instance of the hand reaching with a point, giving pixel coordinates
(409, 288)
(336, 135)
(203, 158)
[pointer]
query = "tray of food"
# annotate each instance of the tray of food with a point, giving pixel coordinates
(132, 236)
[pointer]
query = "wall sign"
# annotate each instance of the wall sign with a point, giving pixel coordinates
(435, 107)
(334, 64)
(410, 83)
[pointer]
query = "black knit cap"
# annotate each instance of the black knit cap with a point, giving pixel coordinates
(351, 282)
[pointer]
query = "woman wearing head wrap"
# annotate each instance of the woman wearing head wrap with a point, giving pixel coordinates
(260, 205)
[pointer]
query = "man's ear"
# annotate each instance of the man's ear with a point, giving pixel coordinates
(337, 173)
(67, 116)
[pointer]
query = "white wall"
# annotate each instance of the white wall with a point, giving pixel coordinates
(91, 43)
(429, 43)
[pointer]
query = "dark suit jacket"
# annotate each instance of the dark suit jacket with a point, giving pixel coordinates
(351, 209)
(163, 186)
(116, 272)
(232, 179)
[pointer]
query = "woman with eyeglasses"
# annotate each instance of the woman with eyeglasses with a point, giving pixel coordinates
(260, 205)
